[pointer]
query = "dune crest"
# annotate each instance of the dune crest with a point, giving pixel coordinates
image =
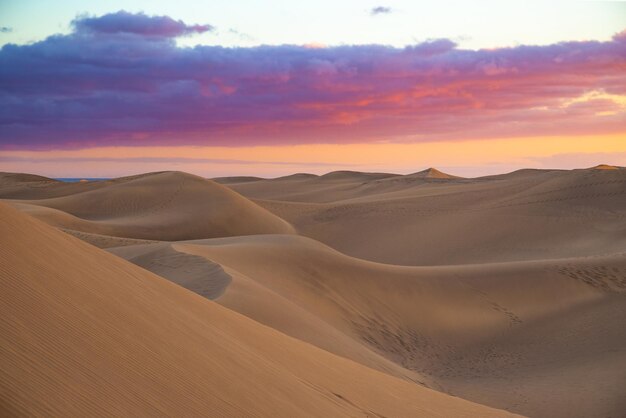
(605, 167)
(166, 206)
(198, 274)
(433, 173)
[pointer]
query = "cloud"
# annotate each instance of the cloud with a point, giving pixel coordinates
(156, 160)
(124, 81)
(621, 36)
(380, 10)
(5, 29)
(123, 22)
(240, 35)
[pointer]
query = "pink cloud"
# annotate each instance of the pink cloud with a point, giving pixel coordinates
(131, 85)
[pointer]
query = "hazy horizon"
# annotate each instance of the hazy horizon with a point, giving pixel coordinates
(446, 170)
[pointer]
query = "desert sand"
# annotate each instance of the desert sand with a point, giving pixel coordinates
(165, 206)
(357, 294)
(416, 220)
(86, 333)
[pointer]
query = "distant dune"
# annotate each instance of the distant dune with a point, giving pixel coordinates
(354, 176)
(433, 173)
(346, 294)
(526, 215)
(605, 167)
(236, 179)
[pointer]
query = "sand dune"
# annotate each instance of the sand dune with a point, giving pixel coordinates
(489, 333)
(236, 179)
(8, 179)
(244, 293)
(197, 274)
(433, 173)
(85, 333)
(605, 167)
(102, 241)
(304, 187)
(29, 186)
(164, 206)
(505, 290)
(332, 187)
(346, 175)
(531, 214)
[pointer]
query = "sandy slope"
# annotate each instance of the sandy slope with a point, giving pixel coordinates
(97, 240)
(527, 215)
(192, 272)
(30, 186)
(165, 206)
(273, 307)
(85, 333)
(537, 338)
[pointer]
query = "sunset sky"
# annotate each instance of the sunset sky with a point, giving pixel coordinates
(110, 88)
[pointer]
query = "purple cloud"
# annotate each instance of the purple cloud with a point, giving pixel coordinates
(123, 22)
(380, 10)
(157, 160)
(129, 86)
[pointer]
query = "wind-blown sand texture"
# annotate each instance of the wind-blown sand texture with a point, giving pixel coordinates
(86, 333)
(508, 291)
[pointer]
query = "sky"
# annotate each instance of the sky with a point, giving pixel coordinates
(267, 88)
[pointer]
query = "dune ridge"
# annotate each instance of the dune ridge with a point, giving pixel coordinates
(433, 173)
(550, 214)
(166, 206)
